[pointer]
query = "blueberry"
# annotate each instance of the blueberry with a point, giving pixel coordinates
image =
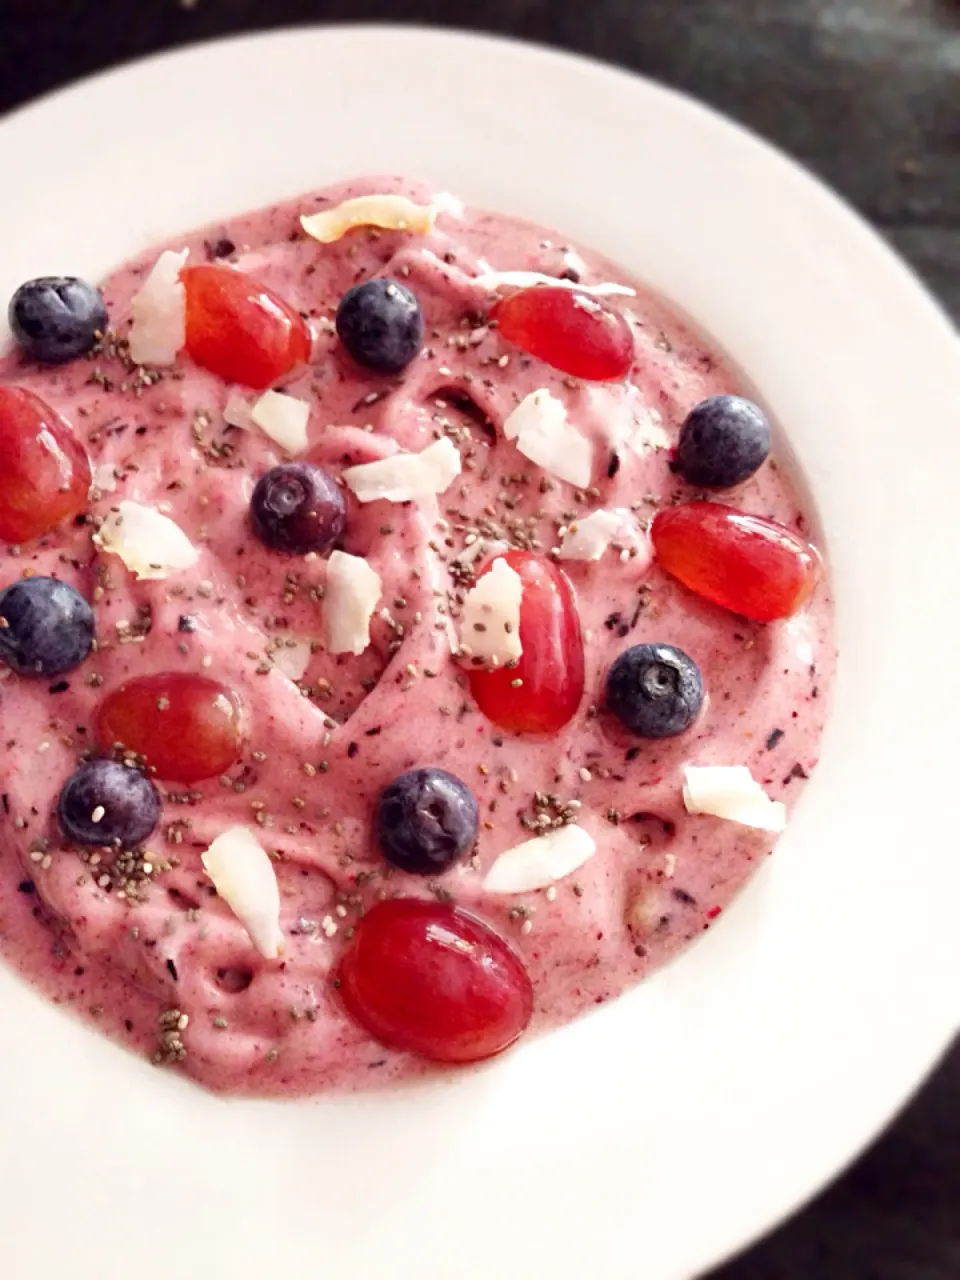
(655, 689)
(46, 627)
(297, 507)
(426, 820)
(57, 317)
(723, 442)
(107, 803)
(380, 323)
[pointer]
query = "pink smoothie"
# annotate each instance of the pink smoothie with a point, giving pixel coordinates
(321, 749)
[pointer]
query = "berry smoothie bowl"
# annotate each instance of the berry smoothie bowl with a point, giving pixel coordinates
(409, 639)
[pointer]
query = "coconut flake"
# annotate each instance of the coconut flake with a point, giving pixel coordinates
(732, 793)
(390, 212)
(293, 658)
(105, 477)
(539, 411)
(490, 619)
(405, 477)
(536, 863)
(236, 412)
(244, 877)
(542, 433)
(158, 308)
(494, 281)
(150, 544)
(352, 591)
(283, 418)
(588, 539)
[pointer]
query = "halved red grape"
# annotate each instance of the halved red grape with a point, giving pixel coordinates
(570, 330)
(188, 727)
(44, 470)
(752, 566)
(542, 693)
(429, 979)
(239, 329)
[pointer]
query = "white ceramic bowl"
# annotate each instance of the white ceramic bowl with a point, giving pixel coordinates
(655, 1136)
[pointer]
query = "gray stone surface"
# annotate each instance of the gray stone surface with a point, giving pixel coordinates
(866, 94)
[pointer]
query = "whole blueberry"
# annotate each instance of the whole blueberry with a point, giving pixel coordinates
(656, 690)
(46, 627)
(426, 820)
(56, 318)
(380, 323)
(723, 442)
(297, 507)
(107, 803)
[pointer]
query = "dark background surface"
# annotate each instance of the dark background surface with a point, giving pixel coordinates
(868, 95)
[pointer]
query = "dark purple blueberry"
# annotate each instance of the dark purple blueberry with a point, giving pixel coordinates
(297, 507)
(46, 627)
(107, 803)
(426, 820)
(656, 690)
(380, 323)
(56, 318)
(723, 442)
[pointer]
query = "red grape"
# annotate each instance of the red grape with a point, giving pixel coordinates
(45, 473)
(187, 726)
(749, 565)
(239, 329)
(571, 331)
(430, 979)
(542, 693)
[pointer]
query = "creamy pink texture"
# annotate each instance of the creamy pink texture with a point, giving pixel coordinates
(320, 753)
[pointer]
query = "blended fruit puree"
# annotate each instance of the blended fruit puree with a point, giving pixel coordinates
(150, 954)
